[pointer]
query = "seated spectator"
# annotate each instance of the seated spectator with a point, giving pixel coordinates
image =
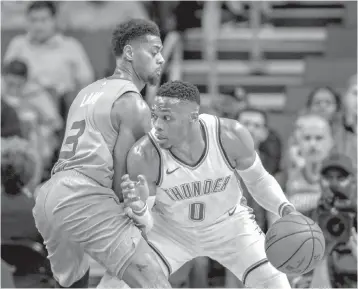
(302, 175)
(346, 134)
(325, 102)
(39, 116)
(56, 62)
(80, 14)
(17, 170)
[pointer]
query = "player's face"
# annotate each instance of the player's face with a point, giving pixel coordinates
(324, 103)
(171, 120)
(41, 24)
(148, 60)
(315, 140)
(255, 124)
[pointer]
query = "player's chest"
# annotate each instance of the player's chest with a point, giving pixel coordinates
(180, 183)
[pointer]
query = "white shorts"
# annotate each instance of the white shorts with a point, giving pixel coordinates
(75, 215)
(234, 240)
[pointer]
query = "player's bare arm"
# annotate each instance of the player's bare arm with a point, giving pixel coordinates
(130, 116)
(239, 148)
(143, 166)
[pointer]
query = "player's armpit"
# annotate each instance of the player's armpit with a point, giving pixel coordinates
(130, 116)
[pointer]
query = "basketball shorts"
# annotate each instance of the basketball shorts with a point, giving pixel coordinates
(76, 216)
(235, 240)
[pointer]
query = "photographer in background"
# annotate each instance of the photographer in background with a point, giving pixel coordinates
(337, 217)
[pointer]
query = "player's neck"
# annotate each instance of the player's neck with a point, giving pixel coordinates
(192, 147)
(125, 71)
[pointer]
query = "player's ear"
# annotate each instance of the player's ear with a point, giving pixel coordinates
(128, 52)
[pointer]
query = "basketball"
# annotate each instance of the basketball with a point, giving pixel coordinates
(294, 244)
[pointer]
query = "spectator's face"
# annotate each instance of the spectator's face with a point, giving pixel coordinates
(255, 124)
(336, 182)
(324, 103)
(41, 24)
(147, 59)
(315, 139)
(350, 99)
(13, 85)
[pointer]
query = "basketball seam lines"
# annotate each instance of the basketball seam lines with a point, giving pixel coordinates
(293, 253)
(291, 235)
(289, 221)
(309, 263)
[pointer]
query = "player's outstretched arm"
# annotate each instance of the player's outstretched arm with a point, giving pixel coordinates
(239, 147)
(130, 116)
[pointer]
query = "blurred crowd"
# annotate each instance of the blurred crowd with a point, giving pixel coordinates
(44, 68)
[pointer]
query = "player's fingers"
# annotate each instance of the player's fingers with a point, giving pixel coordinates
(127, 185)
(126, 192)
(125, 177)
(142, 180)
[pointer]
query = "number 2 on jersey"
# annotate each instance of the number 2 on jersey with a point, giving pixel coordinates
(197, 211)
(73, 139)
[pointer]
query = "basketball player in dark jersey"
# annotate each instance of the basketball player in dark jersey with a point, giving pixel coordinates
(78, 211)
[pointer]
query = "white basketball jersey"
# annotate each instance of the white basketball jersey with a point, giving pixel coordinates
(197, 195)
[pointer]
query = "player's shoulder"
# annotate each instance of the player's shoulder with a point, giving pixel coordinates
(234, 135)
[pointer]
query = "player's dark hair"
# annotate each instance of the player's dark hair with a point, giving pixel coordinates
(255, 110)
(37, 5)
(16, 67)
(181, 90)
(17, 164)
(336, 96)
(131, 30)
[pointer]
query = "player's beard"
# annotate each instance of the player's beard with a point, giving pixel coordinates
(153, 79)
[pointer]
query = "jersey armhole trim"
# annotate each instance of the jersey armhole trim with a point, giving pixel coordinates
(220, 145)
(160, 174)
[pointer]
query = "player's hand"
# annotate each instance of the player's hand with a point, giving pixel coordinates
(134, 193)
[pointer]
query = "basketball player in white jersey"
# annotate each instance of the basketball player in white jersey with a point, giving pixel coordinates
(191, 164)
(77, 211)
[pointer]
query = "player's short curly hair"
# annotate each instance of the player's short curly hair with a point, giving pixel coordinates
(17, 164)
(131, 30)
(181, 90)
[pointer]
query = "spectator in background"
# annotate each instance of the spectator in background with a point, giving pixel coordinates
(301, 178)
(38, 114)
(324, 101)
(17, 170)
(337, 216)
(345, 135)
(99, 15)
(58, 63)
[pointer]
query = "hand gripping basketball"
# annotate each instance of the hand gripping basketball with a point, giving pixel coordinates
(294, 244)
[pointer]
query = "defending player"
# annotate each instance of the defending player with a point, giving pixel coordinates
(191, 163)
(77, 211)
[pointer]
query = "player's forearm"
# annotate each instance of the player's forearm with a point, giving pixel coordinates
(265, 189)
